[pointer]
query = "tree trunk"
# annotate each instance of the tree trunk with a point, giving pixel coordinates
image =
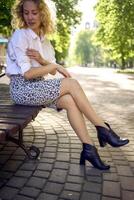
(122, 61)
(131, 63)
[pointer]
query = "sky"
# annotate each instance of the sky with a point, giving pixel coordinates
(86, 6)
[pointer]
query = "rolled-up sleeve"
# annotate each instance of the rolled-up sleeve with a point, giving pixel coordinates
(52, 54)
(19, 44)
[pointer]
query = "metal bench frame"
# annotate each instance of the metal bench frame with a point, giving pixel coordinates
(13, 119)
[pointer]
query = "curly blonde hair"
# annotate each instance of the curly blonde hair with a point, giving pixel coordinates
(47, 21)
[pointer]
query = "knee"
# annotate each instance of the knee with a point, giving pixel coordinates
(70, 82)
(66, 102)
(73, 81)
(74, 84)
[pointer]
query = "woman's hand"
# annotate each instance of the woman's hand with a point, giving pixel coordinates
(33, 54)
(63, 71)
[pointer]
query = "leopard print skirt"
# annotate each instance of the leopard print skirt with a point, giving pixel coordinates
(35, 92)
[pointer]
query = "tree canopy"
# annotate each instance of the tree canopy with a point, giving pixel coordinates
(84, 47)
(86, 50)
(5, 17)
(116, 29)
(67, 16)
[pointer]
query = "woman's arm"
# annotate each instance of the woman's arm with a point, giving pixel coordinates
(46, 67)
(33, 54)
(43, 70)
(35, 72)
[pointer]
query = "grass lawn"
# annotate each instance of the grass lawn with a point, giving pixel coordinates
(125, 71)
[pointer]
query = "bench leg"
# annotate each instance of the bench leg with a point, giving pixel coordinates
(33, 152)
(18, 141)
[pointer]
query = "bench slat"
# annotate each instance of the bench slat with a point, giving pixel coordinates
(21, 122)
(14, 106)
(14, 115)
(26, 112)
(9, 127)
(17, 110)
(2, 135)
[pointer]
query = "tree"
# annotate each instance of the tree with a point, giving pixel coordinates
(116, 29)
(86, 50)
(83, 49)
(67, 16)
(5, 17)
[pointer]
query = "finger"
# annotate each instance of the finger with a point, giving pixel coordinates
(62, 73)
(65, 74)
(29, 49)
(32, 51)
(69, 74)
(30, 54)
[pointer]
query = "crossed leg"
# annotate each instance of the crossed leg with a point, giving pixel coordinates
(75, 117)
(74, 89)
(73, 99)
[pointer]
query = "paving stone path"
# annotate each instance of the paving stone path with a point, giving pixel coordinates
(57, 175)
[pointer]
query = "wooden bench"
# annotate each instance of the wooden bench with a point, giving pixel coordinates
(13, 119)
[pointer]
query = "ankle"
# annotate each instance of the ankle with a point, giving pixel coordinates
(102, 125)
(90, 142)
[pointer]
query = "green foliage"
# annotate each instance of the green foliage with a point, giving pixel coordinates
(67, 16)
(84, 47)
(5, 17)
(126, 71)
(116, 29)
(86, 50)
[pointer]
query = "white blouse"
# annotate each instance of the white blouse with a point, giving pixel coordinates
(17, 60)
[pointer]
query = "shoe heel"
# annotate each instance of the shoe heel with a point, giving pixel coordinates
(82, 160)
(102, 142)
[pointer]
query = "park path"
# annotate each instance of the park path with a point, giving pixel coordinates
(57, 175)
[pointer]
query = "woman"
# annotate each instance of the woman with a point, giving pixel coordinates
(31, 57)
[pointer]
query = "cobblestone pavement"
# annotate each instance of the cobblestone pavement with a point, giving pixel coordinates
(57, 175)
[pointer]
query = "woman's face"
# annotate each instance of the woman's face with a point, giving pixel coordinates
(32, 16)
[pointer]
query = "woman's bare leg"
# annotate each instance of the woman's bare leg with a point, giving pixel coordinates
(72, 87)
(75, 118)
(77, 122)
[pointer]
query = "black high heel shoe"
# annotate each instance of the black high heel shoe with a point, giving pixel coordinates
(107, 135)
(90, 153)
